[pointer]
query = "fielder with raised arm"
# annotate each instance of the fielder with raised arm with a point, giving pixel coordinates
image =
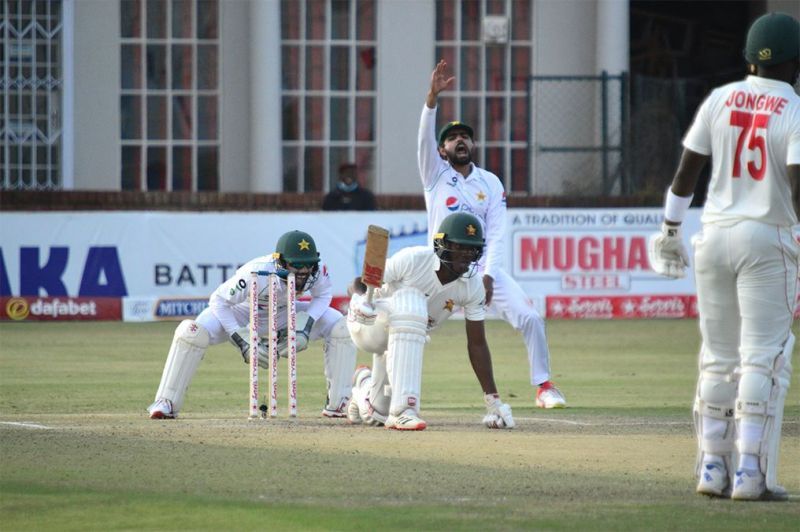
(227, 316)
(421, 289)
(452, 181)
(746, 261)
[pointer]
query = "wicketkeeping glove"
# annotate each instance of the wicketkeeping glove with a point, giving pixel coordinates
(498, 413)
(239, 340)
(304, 324)
(667, 253)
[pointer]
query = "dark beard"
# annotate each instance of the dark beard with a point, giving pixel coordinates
(457, 159)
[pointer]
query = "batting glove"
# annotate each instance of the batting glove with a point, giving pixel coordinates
(239, 341)
(498, 414)
(360, 311)
(667, 253)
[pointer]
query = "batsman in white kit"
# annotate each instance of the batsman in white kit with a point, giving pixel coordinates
(745, 261)
(421, 289)
(453, 182)
(227, 316)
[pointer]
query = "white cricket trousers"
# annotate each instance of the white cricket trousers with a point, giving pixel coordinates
(746, 278)
(514, 306)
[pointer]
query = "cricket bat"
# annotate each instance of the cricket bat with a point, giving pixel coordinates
(375, 259)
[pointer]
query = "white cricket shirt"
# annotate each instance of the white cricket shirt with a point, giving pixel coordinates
(231, 305)
(751, 130)
(416, 267)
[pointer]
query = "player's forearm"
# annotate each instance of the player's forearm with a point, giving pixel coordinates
(688, 173)
(431, 100)
(481, 360)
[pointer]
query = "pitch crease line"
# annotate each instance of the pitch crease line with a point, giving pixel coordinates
(25, 425)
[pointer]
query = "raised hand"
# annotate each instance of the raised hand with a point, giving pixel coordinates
(439, 78)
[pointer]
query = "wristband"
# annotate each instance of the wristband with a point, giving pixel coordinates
(675, 207)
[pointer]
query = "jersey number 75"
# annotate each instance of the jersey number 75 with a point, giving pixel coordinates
(750, 123)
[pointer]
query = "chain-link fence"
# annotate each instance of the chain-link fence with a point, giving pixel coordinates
(609, 135)
(579, 135)
(661, 112)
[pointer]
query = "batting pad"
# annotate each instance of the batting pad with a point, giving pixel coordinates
(340, 363)
(407, 332)
(188, 347)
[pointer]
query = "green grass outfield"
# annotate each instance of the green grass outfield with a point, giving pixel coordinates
(78, 452)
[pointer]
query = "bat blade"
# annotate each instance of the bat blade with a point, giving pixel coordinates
(375, 256)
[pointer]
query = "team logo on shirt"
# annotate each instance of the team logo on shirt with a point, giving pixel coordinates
(481, 196)
(448, 305)
(452, 203)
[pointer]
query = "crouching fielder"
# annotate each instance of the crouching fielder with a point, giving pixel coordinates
(745, 262)
(422, 287)
(227, 318)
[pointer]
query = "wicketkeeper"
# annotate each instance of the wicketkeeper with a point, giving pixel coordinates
(227, 317)
(421, 289)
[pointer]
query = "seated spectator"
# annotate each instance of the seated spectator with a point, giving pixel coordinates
(348, 195)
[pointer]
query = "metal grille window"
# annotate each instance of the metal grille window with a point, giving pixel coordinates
(31, 94)
(488, 45)
(169, 98)
(328, 52)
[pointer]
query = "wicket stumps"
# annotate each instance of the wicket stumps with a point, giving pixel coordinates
(272, 329)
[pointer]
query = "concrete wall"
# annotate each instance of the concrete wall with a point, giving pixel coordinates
(96, 95)
(235, 103)
(405, 61)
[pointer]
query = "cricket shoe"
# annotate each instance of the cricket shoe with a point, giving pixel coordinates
(334, 413)
(161, 409)
(548, 396)
(714, 480)
(408, 420)
(749, 485)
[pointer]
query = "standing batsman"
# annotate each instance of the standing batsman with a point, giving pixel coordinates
(421, 289)
(227, 316)
(746, 261)
(452, 181)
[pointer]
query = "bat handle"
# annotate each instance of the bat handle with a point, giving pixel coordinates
(370, 294)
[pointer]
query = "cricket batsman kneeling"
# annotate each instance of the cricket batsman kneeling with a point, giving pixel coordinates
(227, 317)
(421, 288)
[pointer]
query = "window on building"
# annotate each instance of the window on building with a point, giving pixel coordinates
(490, 93)
(328, 50)
(30, 105)
(169, 95)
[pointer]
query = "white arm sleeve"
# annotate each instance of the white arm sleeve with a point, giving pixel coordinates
(229, 294)
(321, 294)
(474, 309)
(222, 311)
(428, 157)
(495, 229)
